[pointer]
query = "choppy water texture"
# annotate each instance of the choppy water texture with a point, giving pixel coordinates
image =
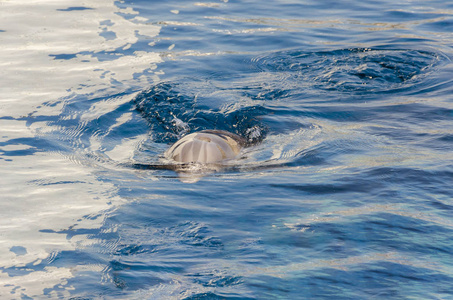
(345, 192)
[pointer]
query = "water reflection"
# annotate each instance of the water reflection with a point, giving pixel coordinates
(45, 187)
(350, 184)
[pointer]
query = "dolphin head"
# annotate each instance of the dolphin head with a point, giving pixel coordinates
(206, 147)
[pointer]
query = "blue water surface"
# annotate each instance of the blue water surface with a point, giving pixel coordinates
(347, 193)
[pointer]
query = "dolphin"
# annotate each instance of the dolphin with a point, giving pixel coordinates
(200, 153)
(206, 147)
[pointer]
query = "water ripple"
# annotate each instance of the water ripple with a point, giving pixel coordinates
(359, 70)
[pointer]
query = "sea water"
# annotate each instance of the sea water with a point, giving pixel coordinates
(345, 194)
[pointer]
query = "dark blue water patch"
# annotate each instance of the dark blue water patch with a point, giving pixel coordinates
(107, 23)
(406, 233)
(395, 16)
(155, 242)
(210, 280)
(134, 275)
(337, 113)
(216, 296)
(356, 70)
(395, 185)
(135, 268)
(133, 249)
(446, 138)
(70, 232)
(357, 282)
(445, 24)
(171, 113)
(34, 145)
(340, 8)
(100, 55)
(75, 8)
(188, 29)
(416, 116)
(18, 250)
(108, 35)
(346, 186)
(63, 56)
(417, 113)
(417, 177)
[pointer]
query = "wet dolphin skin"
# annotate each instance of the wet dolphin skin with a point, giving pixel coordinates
(207, 146)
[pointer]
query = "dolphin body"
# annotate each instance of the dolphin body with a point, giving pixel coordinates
(200, 153)
(206, 147)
